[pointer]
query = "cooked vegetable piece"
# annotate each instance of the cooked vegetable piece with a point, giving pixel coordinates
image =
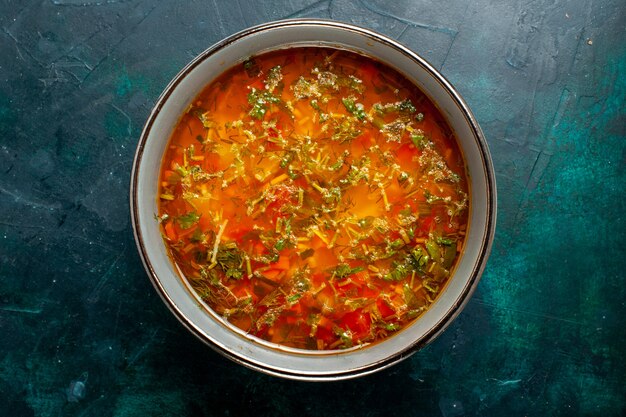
(187, 221)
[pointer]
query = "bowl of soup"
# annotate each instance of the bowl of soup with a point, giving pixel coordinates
(313, 200)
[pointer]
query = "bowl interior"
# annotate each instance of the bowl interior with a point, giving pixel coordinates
(213, 329)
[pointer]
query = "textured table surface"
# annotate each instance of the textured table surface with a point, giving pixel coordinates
(543, 335)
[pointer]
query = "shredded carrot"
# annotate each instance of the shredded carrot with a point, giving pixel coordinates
(169, 231)
(271, 273)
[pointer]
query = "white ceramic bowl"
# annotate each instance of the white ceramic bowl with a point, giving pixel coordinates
(213, 329)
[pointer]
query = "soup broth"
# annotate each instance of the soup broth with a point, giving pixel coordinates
(314, 198)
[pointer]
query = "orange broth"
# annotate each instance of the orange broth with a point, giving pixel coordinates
(314, 198)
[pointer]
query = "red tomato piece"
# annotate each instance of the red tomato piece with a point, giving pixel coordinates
(384, 309)
(358, 323)
(324, 334)
(427, 224)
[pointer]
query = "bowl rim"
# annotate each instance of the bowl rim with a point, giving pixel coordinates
(490, 188)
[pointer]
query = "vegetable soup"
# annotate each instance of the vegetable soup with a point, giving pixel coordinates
(314, 198)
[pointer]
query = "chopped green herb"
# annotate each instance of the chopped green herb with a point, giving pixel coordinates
(274, 78)
(234, 273)
(186, 221)
(286, 160)
(344, 271)
(420, 256)
(281, 244)
(293, 298)
(419, 140)
(444, 241)
(345, 336)
(399, 272)
(355, 108)
(231, 260)
(391, 327)
(397, 244)
(259, 101)
(304, 88)
(433, 250)
(406, 106)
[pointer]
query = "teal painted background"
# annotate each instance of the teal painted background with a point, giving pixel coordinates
(544, 333)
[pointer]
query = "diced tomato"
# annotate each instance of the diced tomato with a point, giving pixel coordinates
(358, 322)
(283, 262)
(427, 224)
(325, 334)
(306, 302)
(281, 195)
(368, 292)
(211, 162)
(346, 287)
(301, 182)
(272, 132)
(365, 140)
(240, 289)
(271, 273)
(259, 249)
(360, 277)
(297, 309)
(404, 156)
(318, 278)
(384, 308)
(291, 319)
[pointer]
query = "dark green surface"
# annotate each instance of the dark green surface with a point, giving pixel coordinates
(544, 333)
